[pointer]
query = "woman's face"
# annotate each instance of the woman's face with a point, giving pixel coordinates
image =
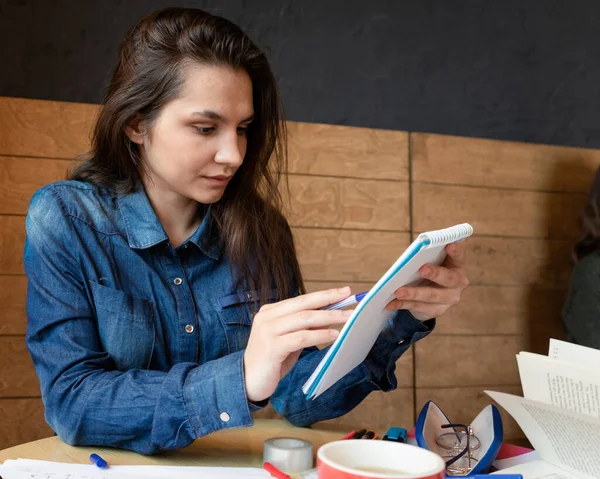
(199, 140)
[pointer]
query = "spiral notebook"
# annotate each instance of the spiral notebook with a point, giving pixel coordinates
(370, 316)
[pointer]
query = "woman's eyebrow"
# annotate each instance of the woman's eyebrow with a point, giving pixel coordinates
(213, 115)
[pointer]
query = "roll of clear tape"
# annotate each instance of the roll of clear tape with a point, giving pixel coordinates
(288, 454)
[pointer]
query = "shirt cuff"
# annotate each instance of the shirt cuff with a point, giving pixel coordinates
(400, 332)
(215, 395)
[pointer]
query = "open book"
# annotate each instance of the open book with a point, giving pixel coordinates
(370, 316)
(560, 411)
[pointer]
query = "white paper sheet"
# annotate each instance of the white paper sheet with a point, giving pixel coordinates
(563, 438)
(539, 470)
(516, 460)
(574, 354)
(33, 469)
(369, 317)
(566, 385)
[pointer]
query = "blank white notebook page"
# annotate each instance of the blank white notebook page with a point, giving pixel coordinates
(370, 315)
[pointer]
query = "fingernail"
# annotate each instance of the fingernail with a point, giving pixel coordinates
(334, 333)
(344, 290)
(400, 294)
(426, 271)
(348, 312)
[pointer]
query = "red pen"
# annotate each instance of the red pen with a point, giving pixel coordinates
(358, 434)
(271, 469)
(350, 435)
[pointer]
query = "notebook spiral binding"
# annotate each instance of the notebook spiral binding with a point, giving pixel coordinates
(448, 235)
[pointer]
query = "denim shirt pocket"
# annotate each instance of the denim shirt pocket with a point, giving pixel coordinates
(236, 312)
(126, 327)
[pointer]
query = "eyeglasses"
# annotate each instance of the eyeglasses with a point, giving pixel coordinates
(457, 449)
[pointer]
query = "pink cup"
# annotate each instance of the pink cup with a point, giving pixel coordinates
(373, 459)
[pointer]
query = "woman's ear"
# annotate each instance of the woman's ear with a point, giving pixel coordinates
(136, 131)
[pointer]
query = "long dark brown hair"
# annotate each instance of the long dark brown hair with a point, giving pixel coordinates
(257, 238)
(590, 222)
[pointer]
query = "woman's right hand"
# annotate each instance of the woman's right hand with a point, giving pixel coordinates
(281, 331)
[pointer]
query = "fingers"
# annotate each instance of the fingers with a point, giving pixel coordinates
(309, 320)
(428, 294)
(444, 276)
(310, 301)
(419, 309)
(305, 339)
(425, 299)
(456, 255)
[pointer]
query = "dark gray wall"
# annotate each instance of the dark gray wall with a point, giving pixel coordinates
(526, 70)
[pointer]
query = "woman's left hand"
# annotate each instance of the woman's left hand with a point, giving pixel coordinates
(444, 289)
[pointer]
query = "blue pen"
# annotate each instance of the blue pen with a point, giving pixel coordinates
(96, 459)
(355, 298)
(498, 476)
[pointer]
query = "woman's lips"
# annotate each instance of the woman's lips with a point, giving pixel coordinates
(220, 180)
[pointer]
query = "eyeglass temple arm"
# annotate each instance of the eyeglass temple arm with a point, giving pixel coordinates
(465, 450)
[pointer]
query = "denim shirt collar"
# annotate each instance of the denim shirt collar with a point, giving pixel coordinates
(206, 237)
(144, 229)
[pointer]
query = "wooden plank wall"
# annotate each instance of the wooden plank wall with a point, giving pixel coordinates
(337, 213)
(36, 137)
(355, 190)
(523, 201)
(349, 196)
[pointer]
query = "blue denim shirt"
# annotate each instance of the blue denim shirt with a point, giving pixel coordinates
(140, 345)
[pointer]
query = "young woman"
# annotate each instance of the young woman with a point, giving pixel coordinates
(164, 287)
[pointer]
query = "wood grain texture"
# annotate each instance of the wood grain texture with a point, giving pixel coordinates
(21, 421)
(333, 150)
(20, 177)
(481, 162)
(231, 447)
(518, 261)
(351, 219)
(378, 412)
(463, 361)
(49, 129)
(13, 296)
(17, 376)
(463, 404)
(348, 203)
(498, 212)
(347, 255)
(511, 310)
(12, 241)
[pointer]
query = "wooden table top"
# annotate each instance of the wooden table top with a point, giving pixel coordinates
(239, 447)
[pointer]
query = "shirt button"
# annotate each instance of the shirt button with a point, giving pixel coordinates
(248, 295)
(225, 417)
(189, 329)
(177, 281)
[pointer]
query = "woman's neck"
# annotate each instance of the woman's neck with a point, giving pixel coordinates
(179, 216)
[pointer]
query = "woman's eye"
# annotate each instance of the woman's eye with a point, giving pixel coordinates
(204, 130)
(242, 130)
